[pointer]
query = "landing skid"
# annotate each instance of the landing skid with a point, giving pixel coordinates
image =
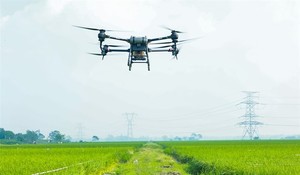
(132, 60)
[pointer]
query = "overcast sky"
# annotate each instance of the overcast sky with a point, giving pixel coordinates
(48, 81)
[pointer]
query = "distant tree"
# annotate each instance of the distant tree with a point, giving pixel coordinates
(110, 137)
(95, 138)
(28, 137)
(68, 139)
(165, 138)
(20, 137)
(56, 136)
(195, 136)
(40, 135)
(177, 138)
(31, 136)
(9, 135)
(2, 133)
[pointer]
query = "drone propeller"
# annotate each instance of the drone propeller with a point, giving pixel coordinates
(181, 41)
(172, 30)
(96, 29)
(110, 45)
(169, 42)
(97, 54)
(94, 43)
(163, 47)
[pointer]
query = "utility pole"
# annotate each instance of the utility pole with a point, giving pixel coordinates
(249, 123)
(129, 117)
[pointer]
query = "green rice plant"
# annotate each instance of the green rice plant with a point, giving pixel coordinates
(239, 157)
(71, 158)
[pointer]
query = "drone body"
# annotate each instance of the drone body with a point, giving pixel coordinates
(138, 51)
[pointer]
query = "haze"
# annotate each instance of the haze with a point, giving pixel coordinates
(48, 81)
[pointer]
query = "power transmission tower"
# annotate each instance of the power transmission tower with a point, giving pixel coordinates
(129, 117)
(249, 123)
(80, 132)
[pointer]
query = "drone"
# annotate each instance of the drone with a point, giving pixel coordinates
(138, 46)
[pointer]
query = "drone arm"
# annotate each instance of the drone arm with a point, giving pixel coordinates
(118, 50)
(160, 50)
(115, 38)
(160, 38)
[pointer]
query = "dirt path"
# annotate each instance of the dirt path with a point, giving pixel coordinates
(151, 160)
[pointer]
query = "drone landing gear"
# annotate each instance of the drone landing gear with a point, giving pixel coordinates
(134, 60)
(148, 62)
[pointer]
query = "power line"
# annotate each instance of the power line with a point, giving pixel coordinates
(250, 125)
(219, 108)
(210, 114)
(282, 125)
(283, 117)
(285, 104)
(287, 97)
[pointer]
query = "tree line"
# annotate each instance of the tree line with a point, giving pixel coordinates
(32, 137)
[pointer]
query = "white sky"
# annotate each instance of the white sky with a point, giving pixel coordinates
(49, 82)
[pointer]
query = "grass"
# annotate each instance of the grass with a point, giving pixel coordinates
(150, 160)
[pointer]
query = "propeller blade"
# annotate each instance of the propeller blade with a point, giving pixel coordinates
(168, 42)
(96, 29)
(88, 28)
(191, 39)
(110, 54)
(162, 47)
(119, 30)
(172, 29)
(166, 27)
(110, 45)
(181, 41)
(97, 54)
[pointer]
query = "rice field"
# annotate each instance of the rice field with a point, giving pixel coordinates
(72, 158)
(201, 157)
(238, 157)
